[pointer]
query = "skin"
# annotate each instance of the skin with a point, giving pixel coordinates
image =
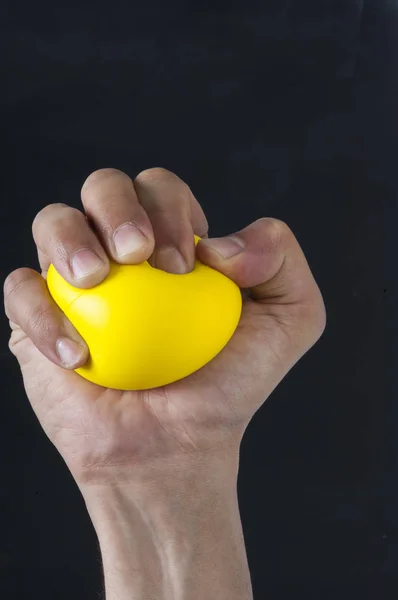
(158, 468)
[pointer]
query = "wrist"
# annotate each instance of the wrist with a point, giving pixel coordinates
(172, 535)
(161, 478)
(164, 496)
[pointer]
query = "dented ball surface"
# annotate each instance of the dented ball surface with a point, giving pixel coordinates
(145, 327)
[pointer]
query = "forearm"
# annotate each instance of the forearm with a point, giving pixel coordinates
(176, 538)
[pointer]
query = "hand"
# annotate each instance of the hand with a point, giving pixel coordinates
(99, 430)
(157, 468)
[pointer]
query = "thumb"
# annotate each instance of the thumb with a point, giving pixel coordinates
(266, 258)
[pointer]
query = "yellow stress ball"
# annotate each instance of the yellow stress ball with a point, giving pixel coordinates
(145, 327)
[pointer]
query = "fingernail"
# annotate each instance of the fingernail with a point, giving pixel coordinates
(128, 239)
(85, 262)
(226, 247)
(171, 260)
(69, 352)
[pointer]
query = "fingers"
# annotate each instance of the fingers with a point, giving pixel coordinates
(111, 203)
(267, 258)
(175, 216)
(63, 237)
(155, 218)
(29, 305)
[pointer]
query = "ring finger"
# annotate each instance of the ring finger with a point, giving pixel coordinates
(175, 216)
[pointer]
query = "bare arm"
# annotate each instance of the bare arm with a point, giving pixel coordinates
(179, 538)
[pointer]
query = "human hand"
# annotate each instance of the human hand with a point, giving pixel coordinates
(104, 433)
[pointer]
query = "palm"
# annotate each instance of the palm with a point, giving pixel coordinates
(93, 426)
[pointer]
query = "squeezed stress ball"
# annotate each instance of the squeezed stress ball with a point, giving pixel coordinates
(145, 327)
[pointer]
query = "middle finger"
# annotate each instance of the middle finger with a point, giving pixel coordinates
(121, 223)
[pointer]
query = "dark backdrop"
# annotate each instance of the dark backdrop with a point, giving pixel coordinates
(273, 108)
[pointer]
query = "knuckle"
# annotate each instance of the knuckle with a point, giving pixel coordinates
(37, 313)
(68, 218)
(55, 224)
(179, 193)
(46, 213)
(15, 282)
(155, 174)
(274, 230)
(313, 318)
(68, 215)
(99, 176)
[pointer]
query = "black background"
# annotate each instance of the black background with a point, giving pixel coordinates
(275, 108)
